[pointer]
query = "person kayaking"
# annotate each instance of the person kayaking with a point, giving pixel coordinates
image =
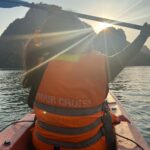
(69, 84)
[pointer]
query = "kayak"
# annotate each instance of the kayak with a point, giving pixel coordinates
(18, 135)
(133, 139)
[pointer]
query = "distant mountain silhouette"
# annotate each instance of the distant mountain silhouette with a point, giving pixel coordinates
(12, 47)
(113, 40)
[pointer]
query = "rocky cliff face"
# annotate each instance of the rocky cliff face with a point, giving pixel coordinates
(13, 40)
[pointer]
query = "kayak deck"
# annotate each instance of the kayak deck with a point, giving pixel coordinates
(18, 136)
(126, 129)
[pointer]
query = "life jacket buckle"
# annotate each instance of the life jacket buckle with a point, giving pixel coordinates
(102, 131)
(105, 107)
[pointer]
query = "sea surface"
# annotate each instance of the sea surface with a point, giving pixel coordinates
(131, 86)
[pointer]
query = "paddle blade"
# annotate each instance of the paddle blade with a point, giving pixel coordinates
(12, 3)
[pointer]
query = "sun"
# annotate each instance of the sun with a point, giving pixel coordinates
(101, 26)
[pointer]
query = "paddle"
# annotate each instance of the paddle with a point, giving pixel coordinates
(16, 3)
(115, 22)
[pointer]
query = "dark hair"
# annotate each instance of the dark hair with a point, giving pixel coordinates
(68, 28)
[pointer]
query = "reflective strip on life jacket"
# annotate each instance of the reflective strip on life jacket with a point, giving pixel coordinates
(69, 57)
(81, 144)
(69, 131)
(69, 111)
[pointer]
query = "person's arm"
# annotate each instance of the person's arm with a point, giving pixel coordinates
(118, 61)
(36, 79)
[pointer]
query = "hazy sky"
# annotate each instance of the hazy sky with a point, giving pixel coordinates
(132, 11)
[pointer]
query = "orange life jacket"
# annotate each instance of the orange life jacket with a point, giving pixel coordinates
(69, 103)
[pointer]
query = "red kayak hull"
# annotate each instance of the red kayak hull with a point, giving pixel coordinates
(18, 136)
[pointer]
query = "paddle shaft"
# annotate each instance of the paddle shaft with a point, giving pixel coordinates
(84, 16)
(115, 22)
(100, 19)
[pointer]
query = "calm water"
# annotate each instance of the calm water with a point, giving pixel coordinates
(12, 97)
(132, 87)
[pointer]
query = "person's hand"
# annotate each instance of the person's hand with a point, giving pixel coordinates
(145, 31)
(123, 118)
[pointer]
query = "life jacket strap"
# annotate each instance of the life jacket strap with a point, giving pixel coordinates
(74, 145)
(109, 129)
(56, 148)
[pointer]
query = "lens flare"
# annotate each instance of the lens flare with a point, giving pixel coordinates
(60, 53)
(102, 26)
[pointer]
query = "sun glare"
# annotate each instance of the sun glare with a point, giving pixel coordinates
(102, 26)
